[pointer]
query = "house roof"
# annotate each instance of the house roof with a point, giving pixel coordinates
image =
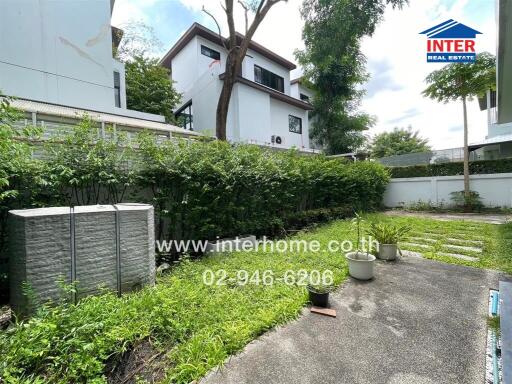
(75, 113)
(273, 93)
(451, 29)
(199, 30)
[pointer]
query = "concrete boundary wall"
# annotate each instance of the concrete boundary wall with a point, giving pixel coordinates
(494, 189)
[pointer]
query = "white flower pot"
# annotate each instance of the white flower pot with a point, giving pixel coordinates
(360, 265)
(387, 251)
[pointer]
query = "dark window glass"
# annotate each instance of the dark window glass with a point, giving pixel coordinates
(304, 97)
(295, 124)
(210, 53)
(184, 117)
(117, 89)
(265, 77)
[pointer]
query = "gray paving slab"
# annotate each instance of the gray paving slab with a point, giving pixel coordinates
(490, 218)
(417, 245)
(419, 321)
(463, 248)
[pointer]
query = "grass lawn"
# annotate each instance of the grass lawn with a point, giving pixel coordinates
(195, 326)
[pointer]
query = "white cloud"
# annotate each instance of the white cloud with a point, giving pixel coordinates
(127, 10)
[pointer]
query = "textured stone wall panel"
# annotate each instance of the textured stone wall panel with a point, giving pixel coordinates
(40, 254)
(137, 245)
(95, 245)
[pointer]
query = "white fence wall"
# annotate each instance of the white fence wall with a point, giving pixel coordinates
(494, 189)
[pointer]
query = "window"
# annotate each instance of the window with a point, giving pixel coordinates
(210, 52)
(295, 124)
(304, 97)
(265, 77)
(117, 89)
(184, 116)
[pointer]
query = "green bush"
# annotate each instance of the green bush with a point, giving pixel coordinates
(472, 203)
(451, 169)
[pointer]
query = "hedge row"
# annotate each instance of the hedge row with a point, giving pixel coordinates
(204, 190)
(452, 169)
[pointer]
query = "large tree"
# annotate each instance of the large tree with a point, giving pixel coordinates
(334, 65)
(398, 142)
(462, 82)
(236, 46)
(149, 88)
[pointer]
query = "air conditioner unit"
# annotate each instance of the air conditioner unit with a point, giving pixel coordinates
(277, 139)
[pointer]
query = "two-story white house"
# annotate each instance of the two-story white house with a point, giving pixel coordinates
(56, 57)
(265, 108)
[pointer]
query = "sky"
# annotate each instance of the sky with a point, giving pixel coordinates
(396, 55)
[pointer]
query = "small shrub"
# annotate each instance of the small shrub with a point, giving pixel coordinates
(473, 202)
(386, 233)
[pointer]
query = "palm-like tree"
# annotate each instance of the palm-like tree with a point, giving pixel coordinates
(463, 81)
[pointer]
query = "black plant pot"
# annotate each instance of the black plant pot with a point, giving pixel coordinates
(319, 299)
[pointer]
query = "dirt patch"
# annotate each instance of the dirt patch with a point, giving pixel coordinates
(142, 362)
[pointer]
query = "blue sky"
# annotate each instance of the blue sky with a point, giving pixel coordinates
(395, 54)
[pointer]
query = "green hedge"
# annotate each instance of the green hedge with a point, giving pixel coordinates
(451, 169)
(204, 190)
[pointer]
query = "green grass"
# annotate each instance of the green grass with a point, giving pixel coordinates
(198, 326)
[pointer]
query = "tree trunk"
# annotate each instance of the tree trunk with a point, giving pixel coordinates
(466, 156)
(236, 54)
(225, 97)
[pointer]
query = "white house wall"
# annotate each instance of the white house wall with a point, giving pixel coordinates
(50, 58)
(184, 67)
(279, 124)
(254, 115)
(296, 89)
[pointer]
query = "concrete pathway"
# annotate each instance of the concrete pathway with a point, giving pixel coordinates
(491, 218)
(418, 322)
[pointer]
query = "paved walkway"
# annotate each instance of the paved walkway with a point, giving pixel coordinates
(418, 322)
(491, 218)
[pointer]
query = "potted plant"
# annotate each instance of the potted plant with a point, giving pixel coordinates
(360, 264)
(319, 294)
(388, 236)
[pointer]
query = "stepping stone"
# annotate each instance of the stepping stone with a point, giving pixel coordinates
(423, 239)
(458, 256)
(406, 253)
(463, 248)
(415, 245)
(475, 242)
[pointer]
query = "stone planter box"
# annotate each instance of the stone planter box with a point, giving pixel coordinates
(95, 246)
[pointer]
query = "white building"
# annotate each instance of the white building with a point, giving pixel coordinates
(265, 107)
(56, 57)
(498, 143)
